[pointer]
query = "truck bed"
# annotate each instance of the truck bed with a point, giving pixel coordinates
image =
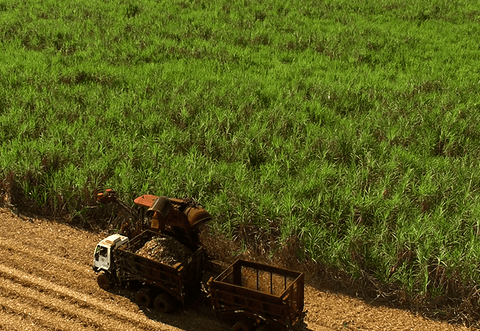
(176, 280)
(259, 291)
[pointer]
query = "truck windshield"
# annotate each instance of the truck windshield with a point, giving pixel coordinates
(102, 251)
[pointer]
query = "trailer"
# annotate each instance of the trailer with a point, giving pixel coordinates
(161, 285)
(258, 296)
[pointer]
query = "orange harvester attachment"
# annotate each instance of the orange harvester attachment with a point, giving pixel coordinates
(180, 216)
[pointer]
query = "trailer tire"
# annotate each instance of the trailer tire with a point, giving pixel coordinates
(144, 297)
(163, 303)
(243, 325)
(103, 281)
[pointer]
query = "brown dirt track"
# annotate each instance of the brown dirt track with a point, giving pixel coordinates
(47, 283)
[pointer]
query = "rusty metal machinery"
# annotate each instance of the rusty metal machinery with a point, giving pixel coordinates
(179, 218)
(111, 196)
(129, 227)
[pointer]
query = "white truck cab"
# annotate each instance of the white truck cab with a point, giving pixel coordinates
(102, 259)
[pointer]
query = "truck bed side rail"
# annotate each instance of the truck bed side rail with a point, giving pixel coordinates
(172, 279)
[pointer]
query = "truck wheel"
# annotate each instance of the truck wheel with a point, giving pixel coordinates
(144, 297)
(163, 303)
(243, 325)
(103, 281)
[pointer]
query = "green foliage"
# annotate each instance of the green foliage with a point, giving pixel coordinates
(350, 125)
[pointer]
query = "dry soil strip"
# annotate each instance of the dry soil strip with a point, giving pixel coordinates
(99, 305)
(52, 274)
(12, 245)
(54, 268)
(47, 266)
(35, 316)
(79, 314)
(61, 247)
(65, 240)
(11, 321)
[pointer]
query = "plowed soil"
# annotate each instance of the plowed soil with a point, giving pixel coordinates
(47, 283)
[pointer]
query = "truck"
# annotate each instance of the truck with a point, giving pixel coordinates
(159, 284)
(254, 295)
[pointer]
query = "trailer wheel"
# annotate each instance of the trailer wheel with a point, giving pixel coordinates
(144, 297)
(163, 303)
(103, 281)
(243, 325)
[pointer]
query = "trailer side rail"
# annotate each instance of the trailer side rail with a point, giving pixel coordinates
(273, 294)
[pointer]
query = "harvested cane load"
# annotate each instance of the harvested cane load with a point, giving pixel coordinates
(165, 250)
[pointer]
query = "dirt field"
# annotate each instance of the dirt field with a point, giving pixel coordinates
(47, 283)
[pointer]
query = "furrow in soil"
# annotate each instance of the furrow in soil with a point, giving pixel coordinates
(82, 306)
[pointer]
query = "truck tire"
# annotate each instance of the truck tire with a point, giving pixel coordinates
(243, 325)
(104, 281)
(144, 297)
(163, 303)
